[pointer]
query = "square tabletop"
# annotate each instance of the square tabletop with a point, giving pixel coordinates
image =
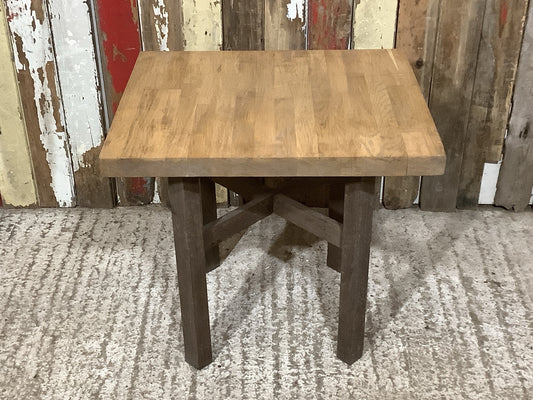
(272, 113)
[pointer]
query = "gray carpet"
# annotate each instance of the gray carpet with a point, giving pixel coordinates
(90, 310)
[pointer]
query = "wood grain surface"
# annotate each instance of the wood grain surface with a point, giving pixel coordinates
(458, 39)
(516, 174)
(498, 54)
(285, 25)
(285, 113)
(243, 25)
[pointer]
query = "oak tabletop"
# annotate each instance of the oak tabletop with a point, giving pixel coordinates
(272, 113)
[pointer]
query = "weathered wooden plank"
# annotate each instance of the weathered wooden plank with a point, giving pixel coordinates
(374, 24)
(496, 67)
(186, 206)
(243, 23)
(237, 220)
(516, 174)
(17, 185)
(43, 111)
(118, 32)
(306, 218)
(457, 47)
(70, 23)
(415, 35)
(285, 24)
(329, 24)
(161, 25)
(356, 240)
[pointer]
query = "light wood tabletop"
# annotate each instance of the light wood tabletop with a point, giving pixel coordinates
(272, 113)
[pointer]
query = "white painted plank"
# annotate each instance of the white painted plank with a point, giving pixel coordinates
(374, 24)
(32, 44)
(77, 70)
(16, 179)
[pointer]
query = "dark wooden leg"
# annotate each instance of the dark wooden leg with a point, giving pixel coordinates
(356, 236)
(209, 212)
(186, 206)
(336, 211)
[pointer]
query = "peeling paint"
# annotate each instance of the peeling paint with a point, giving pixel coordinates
(295, 9)
(32, 57)
(374, 24)
(161, 16)
(202, 28)
(76, 64)
(16, 180)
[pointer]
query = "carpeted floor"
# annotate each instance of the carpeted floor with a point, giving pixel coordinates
(90, 310)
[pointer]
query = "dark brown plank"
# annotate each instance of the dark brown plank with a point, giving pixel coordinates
(237, 220)
(516, 175)
(335, 211)
(242, 24)
(306, 218)
(415, 35)
(458, 38)
(496, 68)
(209, 212)
(356, 239)
(186, 206)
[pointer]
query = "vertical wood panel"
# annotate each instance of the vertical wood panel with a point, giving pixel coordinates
(285, 24)
(118, 24)
(497, 60)
(43, 112)
(76, 65)
(243, 23)
(330, 24)
(516, 174)
(457, 47)
(374, 24)
(417, 26)
(16, 178)
(161, 25)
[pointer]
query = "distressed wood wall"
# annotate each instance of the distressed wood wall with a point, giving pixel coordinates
(72, 60)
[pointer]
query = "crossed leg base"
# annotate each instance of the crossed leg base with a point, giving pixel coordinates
(197, 233)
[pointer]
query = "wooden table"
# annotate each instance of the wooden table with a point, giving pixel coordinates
(336, 118)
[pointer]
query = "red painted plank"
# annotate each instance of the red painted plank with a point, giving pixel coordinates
(121, 43)
(330, 24)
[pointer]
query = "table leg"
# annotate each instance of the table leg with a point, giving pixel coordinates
(336, 211)
(355, 247)
(209, 212)
(186, 205)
